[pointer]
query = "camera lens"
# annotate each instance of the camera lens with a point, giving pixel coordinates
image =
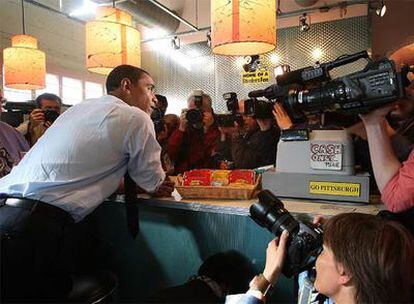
(195, 118)
(270, 213)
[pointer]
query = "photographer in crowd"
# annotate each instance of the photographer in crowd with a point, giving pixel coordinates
(48, 108)
(252, 143)
(192, 144)
(365, 259)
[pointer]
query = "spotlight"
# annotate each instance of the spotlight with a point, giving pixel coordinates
(317, 54)
(381, 9)
(208, 38)
(303, 25)
(176, 43)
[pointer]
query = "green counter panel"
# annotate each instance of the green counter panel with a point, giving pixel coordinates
(170, 247)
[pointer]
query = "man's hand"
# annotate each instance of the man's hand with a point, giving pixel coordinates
(165, 189)
(264, 124)
(37, 115)
(282, 118)
(183, 121)
(377, 116)
(208, 120)
(275, 257)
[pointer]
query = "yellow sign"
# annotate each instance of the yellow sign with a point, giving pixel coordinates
(329, 188)
(259, 76)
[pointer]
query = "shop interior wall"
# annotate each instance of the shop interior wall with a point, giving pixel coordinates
(61, 38)
(393, 30)
(177, 73)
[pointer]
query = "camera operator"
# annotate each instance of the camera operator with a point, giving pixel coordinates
(48, 108)
(365, 259)
(191, 145)
(395, 180)
(12, 144)
(251, 144)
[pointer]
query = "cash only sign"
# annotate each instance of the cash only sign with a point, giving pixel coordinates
(328, 156)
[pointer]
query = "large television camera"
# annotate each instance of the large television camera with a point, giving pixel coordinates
(311, 90)
(305, 240)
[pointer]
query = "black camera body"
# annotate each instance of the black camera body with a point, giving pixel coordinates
(311, 90)
(195, 116)
(232, 103)
(305, 240)
(258, 108)
(51, 115)
(157, 117)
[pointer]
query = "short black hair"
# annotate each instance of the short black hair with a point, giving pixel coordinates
(48, 96)
(162, 100)
(113, 81)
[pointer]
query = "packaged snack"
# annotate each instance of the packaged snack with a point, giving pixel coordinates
(220, 177)
(197, 177)
(240, 178)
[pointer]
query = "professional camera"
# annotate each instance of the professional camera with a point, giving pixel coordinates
(157, 117)
(195, 116)
(311, 90)
(51, 115)
(258, 108)
(305, 240)
(232, 103)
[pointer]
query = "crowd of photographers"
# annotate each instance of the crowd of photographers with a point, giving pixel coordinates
(365, 258)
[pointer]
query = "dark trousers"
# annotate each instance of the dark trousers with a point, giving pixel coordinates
(32, 254)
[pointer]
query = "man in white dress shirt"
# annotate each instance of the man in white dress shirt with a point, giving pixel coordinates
(75, 165)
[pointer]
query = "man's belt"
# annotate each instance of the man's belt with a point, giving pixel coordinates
(38, 207)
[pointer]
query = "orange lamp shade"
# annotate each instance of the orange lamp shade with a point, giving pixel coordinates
(24, 64)
(243, 27)
(111, 40)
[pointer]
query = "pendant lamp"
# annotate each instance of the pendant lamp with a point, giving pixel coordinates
(111, 40)
(243, 27)
(24, 64)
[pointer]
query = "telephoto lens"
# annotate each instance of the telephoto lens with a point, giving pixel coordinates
(305, 240)
(270, 213)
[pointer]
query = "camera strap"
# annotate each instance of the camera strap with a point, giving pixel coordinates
(131, 205)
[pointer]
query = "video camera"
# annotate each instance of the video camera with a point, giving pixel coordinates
(27, 107)
(305, 240)
(232, 103)
(258, 108)
(311, 90)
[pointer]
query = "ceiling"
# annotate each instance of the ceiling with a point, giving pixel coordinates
(197, 12)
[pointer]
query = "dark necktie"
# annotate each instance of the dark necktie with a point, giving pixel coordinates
(131, 204)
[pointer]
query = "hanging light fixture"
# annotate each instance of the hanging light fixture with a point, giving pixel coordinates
(24, 64)
(242, 27)
(111, 40)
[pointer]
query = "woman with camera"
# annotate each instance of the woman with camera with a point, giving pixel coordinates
(365, 259)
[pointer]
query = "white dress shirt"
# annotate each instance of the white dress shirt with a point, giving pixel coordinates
(81, 158)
